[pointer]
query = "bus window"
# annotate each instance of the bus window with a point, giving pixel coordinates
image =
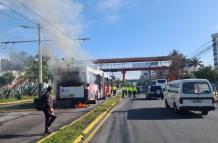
(105, 81)
(98, 81)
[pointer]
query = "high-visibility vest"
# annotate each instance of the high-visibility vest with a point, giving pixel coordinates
(114, 88)
(130, 89)
(134, 89)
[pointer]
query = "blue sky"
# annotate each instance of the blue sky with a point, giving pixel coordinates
(132, 28)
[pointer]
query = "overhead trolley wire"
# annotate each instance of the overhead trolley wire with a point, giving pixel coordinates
(197, 50)
(52, 33)
(15, 11)
(44, 19)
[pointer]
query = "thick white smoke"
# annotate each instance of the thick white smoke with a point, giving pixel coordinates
(61, 21)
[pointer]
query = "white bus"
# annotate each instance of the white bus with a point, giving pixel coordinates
(83, 83)
(161, 82)
(190, 94)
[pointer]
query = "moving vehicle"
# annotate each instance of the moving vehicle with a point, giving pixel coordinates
(190, 94)
(83, 83)
(155, 92)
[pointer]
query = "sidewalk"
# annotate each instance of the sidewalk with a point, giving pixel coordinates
(27, 127)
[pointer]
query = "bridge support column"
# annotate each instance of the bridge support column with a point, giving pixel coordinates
(124, 75)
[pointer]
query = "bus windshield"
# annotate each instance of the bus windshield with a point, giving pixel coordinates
(161, 81)
(73, 77)
(196, 88)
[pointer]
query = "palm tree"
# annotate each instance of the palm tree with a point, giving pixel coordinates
(179, 62)
(195, 62)
(174, 52)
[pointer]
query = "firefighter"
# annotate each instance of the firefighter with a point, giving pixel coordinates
(134, 91)
(114, 90)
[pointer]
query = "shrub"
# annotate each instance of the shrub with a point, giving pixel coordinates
(6, 92)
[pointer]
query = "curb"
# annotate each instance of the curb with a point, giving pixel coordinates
(86, 130)
(93, 123)
(98, 126)
(44, 138)
(23, 101)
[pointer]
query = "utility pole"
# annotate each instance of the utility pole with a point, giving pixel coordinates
(40, 60)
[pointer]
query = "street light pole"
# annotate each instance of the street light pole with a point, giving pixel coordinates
(40, 60)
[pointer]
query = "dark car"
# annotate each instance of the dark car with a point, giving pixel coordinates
(155, 92)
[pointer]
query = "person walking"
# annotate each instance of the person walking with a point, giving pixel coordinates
(48, 109)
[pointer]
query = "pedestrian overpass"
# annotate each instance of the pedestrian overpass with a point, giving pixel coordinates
(133, 64)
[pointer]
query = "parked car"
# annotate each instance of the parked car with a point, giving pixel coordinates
(190, 94)
(155, 91)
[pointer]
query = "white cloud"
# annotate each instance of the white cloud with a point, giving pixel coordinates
(111, 5)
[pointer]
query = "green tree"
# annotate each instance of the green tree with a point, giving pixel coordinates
(207, 73)
(32, 71)
(174, 53)
(178, 63)
(195, 62)
(6, 78)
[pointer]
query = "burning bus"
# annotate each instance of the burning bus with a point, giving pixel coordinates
(83, 84)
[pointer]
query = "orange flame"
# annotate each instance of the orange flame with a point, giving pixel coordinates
(80, 105)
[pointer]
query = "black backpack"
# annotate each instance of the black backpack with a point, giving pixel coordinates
(39, 103)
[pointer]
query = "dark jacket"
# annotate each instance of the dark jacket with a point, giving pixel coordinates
(48, 100)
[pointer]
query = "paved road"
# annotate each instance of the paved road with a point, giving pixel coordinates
(141, 121)
(28, 126)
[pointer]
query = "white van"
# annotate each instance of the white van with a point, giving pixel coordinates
(190, 94)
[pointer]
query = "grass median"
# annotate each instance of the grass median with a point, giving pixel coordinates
(13, 99)
(70, 133)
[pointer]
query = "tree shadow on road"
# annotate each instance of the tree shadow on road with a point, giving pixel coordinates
(158, 113)
(10, 136)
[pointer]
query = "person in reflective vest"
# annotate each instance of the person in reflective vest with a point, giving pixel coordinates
(129, 91)
(134, 91)
(114, 90)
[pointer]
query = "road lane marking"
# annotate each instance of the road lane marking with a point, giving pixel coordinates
(92, 134)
